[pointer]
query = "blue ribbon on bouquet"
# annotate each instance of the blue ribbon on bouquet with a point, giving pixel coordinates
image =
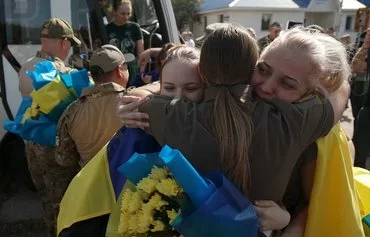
(214, 200)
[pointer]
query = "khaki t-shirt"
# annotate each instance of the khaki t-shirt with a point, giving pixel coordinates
(281, 132)
(87, 124)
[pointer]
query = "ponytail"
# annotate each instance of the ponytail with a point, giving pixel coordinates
(233, 129)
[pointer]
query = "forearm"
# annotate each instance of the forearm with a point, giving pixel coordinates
(143, 91)
(297, 225)
(359, 61)
(139, 47)
(339, 100)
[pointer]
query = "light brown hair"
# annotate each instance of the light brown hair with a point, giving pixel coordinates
(228, 57)
(180, 52)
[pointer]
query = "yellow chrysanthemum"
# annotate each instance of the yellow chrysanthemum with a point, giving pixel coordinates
(136, 202)
(126, 200)
(123, 224)
(156, 202)
(147, 185)
(158, 226)
(133, 225)
(145, 221)
(172, 214)
(159, 173)
(169, 187)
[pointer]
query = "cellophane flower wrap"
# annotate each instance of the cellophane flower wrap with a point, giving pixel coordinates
(38, 114)
(169, 197)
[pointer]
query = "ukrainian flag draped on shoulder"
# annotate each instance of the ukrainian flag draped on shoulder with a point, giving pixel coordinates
(95, 189)
(334, 208)
(38, 114)
(362, 182)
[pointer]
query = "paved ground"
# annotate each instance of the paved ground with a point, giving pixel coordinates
(21, 210)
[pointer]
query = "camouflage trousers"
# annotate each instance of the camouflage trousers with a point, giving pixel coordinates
(51, 180)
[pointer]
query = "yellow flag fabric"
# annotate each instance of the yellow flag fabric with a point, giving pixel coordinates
(334, 208)
(362, 182)
(31, 112)
(89, 195)
(50, 95)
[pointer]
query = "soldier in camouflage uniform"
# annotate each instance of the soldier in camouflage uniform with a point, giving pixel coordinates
(90, 122)
(50, 179)
(274, 31)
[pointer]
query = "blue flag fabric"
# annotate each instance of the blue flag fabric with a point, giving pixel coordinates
(15, 126)
(41, 131)
(100, 180)
(77, 80)
(38, 115)
(122, 146)
(44, 73)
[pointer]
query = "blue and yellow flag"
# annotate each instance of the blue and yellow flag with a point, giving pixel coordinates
(94, 190)
(334, 207)
(38, 115)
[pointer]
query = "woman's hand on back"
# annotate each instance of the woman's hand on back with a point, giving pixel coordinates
(128, 111)
(271, 216)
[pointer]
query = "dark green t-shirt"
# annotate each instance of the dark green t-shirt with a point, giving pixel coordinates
(125, 36)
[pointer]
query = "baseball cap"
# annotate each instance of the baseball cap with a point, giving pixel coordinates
(106, 58)
(57, 28)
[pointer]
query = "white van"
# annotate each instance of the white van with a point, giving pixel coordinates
(20, 21)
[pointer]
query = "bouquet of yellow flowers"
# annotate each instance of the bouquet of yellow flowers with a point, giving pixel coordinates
(170, 198)
(152, 205)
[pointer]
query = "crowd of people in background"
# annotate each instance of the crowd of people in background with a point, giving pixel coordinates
(292, 72)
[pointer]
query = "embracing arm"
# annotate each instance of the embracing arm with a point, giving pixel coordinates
(296, 227)
(339, 100)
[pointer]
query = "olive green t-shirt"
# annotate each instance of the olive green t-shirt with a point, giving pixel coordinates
(281, 132)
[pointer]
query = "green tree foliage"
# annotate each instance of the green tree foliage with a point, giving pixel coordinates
(185, 12)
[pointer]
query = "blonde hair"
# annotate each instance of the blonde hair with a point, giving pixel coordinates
(228, 57)
(328, 56)
(181, 53)
(118, 3)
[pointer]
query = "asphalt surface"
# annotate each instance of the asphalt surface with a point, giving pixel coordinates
(21, 210)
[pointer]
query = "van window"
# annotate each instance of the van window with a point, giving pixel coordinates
(23, 20)
(144, 12)
(85, 25)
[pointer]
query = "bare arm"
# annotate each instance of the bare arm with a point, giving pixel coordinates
(128, 104)
(359, 64)
(139, 48)
(271, 216)
(296, 227)
(339, 100)
(145, 55)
